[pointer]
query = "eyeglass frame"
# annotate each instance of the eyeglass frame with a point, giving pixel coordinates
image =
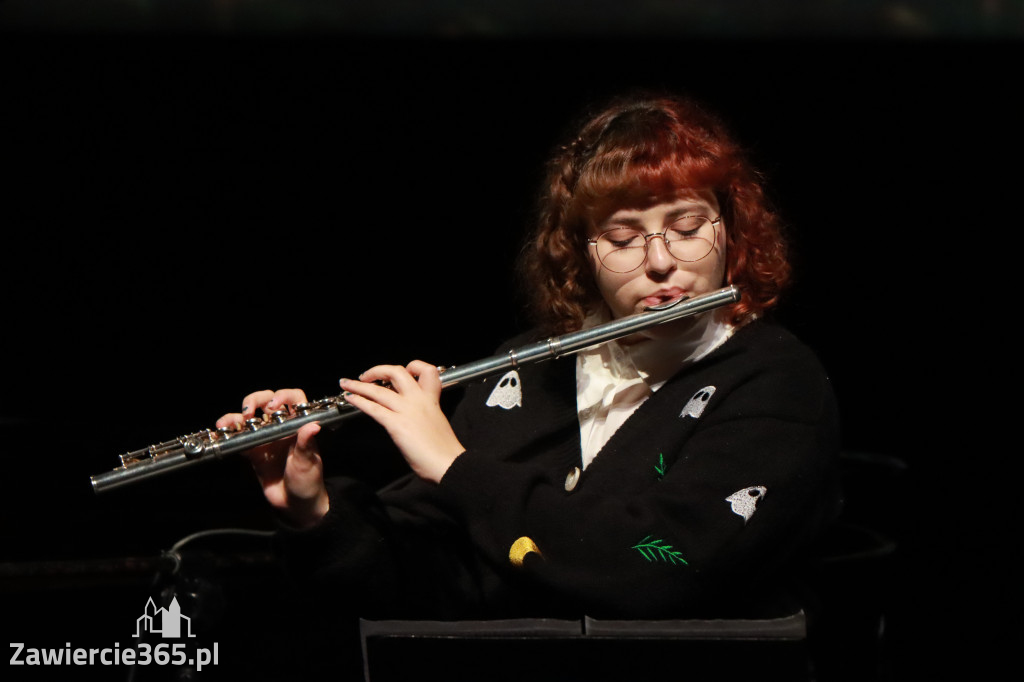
(647, 243)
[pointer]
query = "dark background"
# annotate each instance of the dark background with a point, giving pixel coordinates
(192, 211)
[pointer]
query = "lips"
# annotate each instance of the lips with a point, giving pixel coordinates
(661, 296)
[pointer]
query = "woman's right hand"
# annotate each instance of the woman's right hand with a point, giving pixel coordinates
(290, 470)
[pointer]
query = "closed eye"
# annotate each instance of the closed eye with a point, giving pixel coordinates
(686, 227)
(623, 238)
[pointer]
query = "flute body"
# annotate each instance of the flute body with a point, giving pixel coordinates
(209, 445)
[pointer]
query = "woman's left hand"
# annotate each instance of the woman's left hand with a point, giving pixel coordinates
(410, 410)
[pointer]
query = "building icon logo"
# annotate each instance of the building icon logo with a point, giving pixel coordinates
(167, 622)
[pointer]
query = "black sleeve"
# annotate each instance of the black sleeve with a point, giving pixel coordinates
(392, 553)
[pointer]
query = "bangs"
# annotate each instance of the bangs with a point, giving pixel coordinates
(655, 165)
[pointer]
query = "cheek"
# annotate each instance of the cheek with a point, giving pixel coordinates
(595, 264)
(614, 290)
(717, 271)
(716, 267)
(607, 281)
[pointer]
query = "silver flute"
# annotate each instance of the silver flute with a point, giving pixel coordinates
(209, 445)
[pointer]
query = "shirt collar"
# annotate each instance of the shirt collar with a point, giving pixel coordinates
(652, 361)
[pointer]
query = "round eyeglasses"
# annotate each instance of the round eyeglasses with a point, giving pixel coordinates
(624, 249)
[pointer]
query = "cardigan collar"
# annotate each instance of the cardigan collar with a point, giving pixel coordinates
(652, 362)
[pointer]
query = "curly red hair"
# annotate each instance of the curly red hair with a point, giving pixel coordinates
(637, 152)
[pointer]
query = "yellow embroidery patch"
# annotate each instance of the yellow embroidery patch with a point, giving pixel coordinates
(520, 548)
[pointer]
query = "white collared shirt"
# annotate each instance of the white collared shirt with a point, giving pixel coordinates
(614, 379)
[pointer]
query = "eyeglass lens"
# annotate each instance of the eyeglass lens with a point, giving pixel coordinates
(624, 249)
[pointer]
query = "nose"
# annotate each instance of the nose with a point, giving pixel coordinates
(658, 257)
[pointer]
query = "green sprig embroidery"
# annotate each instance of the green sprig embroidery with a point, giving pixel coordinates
(660, 469)
(658, 550)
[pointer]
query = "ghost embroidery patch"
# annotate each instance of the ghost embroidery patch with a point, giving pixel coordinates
(508, 393)
(744, 502)
(695, 407)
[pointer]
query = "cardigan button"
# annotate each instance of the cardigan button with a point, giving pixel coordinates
(572, 479)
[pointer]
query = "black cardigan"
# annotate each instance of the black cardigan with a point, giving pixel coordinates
(699, 505)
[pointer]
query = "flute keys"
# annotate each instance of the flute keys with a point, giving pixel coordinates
(253, 424)
(135, 457)
(193, 447)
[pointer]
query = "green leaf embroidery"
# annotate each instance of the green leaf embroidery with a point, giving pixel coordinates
(658, 550)
(660, 469)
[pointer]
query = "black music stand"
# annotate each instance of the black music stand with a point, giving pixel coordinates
(588, 650)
